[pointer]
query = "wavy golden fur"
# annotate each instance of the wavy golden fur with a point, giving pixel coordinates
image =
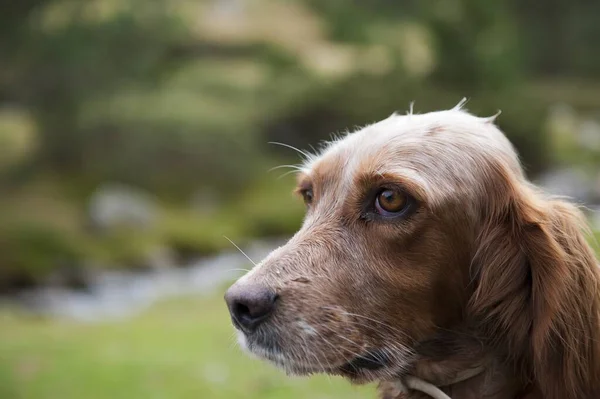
(537, 297)
(481, 269)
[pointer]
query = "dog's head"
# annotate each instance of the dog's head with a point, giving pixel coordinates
(382, 259)
(401, 216)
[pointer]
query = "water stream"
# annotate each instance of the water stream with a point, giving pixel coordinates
(120, 294)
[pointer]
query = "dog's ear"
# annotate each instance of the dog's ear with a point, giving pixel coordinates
(538, 292)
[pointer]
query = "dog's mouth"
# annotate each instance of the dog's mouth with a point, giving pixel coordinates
(360, 368)
(371, 361)
(356, 369)
(367, 366)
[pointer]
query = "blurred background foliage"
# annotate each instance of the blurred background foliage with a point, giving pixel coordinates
(130, 129)
(180, 98)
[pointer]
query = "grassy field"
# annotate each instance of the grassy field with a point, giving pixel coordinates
(177, 350)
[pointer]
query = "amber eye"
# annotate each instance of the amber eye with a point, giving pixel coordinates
(307, 195)
(390, 202)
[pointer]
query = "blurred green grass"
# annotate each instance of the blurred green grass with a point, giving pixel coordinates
(181, 349)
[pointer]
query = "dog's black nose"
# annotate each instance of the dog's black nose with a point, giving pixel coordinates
(250, 305)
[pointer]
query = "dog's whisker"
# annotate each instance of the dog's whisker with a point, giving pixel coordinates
(305, 154)
(239, 249)
(334, 348)
(238, 270)
(339, 335)
(232, 341)
(377, 328)
(314, 356)
(291, 172)
(295, 167)
(395, 354)
(383, 324)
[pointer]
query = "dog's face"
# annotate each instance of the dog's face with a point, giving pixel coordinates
(381, 262)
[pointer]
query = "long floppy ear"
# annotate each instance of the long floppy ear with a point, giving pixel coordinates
(538, 292)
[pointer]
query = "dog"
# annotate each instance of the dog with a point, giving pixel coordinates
(429, 263)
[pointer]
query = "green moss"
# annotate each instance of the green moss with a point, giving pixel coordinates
(191, 234)
(30, 252)
(268, 208)
(123, 248)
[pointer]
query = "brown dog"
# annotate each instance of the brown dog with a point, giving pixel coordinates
(426, 253)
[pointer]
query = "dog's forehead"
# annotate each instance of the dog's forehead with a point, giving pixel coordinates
(373, 144)
(438, 151)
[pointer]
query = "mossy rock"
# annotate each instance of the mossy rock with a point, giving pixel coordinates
(31, 252)
(268, 207)
(191, 238)
(123, 248)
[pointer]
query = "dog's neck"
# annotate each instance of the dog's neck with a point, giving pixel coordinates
(484, 381)
(488, 382)
(458, 364)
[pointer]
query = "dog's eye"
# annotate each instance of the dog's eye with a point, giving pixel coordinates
(390, 202)
(307, 195)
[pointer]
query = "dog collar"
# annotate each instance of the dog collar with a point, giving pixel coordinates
(416, 384)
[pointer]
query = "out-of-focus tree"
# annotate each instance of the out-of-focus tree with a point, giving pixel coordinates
(559, 37)
(181, 97)
(79, 67)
